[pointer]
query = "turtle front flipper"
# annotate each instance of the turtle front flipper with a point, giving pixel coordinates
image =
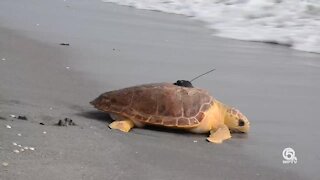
(221, 134)
(122, 125)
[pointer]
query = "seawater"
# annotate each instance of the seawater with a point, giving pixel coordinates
(295, 23)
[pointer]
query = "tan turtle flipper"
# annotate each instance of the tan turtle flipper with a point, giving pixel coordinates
(221, 134)
(123, 125)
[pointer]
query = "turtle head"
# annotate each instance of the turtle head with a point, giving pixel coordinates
(236, 121)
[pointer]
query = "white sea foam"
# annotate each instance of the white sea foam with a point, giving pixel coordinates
(291, 22)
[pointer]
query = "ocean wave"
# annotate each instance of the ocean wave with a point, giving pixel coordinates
(295, 23)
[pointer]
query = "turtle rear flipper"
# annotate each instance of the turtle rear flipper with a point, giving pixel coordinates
(122, 125)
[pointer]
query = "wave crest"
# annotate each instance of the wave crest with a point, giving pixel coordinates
(295, 23)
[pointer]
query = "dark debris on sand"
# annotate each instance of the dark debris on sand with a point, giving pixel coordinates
(64, 44)
(66, 122)
(22, 117)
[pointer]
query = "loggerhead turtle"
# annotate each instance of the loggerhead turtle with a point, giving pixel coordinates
(171, 106)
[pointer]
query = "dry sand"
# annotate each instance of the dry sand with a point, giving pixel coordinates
(113, 47)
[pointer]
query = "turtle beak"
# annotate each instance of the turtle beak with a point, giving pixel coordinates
(246, 127)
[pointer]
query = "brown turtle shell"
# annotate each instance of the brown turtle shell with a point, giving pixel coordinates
(159, 104)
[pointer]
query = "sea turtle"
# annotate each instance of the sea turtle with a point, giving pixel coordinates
(171, 106)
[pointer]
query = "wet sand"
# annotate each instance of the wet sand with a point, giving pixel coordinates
(112, 47)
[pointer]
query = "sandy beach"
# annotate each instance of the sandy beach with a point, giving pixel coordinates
(112, 47)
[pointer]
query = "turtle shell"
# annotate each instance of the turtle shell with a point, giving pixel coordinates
(159, 104)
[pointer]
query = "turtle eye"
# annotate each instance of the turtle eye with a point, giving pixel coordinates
(241, 122)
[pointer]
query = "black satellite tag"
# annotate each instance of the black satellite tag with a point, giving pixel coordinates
(183, 83)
